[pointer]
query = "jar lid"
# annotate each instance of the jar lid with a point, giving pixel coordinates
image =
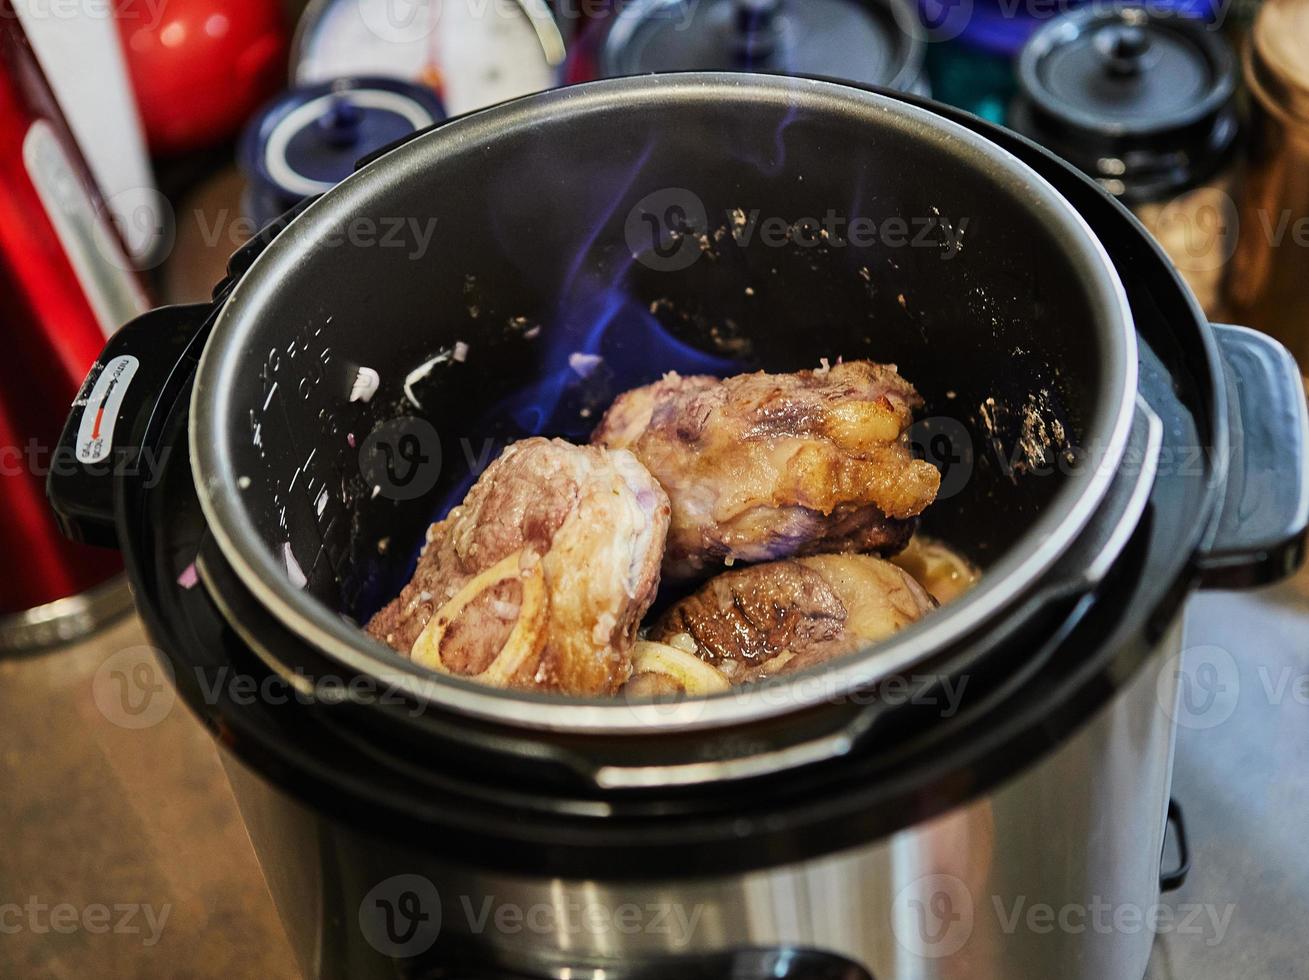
(309, 139)
(1144, 100)
(1279, 55)
(1002, 27)
(867, 41)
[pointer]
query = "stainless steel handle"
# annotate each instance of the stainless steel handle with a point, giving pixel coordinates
(1259, 533)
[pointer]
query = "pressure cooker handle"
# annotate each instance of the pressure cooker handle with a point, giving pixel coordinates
(135, 375)
(1259, 536)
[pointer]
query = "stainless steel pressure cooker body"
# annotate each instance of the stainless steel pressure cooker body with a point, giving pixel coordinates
(1104, 452)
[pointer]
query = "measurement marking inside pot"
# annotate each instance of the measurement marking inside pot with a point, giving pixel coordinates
(269, 400)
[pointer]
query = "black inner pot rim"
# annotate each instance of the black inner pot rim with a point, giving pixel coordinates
(1007, 581)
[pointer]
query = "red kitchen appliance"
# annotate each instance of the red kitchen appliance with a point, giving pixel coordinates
(201, 67)
(66, 283)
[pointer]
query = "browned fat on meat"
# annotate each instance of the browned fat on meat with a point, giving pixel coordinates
(765, 466)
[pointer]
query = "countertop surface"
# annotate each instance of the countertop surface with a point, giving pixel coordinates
(1242, 779)
(141, 822)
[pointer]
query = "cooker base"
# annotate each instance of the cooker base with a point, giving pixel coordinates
(1054, 874)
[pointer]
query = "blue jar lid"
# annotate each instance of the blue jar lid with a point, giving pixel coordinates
(308, 139)
(1003, 26)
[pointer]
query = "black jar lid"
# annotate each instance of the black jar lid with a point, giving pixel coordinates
(868, 41)
(1142, 100)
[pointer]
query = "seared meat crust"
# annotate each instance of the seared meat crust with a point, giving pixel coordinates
(539, 579)
(765, 466)
(787, 616)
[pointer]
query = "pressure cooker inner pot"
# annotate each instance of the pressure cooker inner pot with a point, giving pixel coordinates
(511, 273)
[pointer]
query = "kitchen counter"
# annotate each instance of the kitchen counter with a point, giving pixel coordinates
(100, 815)
(1244, 788)
(141, 822)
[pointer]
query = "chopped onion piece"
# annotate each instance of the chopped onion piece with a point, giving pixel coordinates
(691, 673)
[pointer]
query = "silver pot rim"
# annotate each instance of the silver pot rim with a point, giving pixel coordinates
(1011, 577)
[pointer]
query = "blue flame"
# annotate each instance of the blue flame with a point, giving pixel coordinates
(603, 342)
(773, 165)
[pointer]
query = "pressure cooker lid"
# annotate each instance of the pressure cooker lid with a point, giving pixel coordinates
(868, 42)
(1136, 97)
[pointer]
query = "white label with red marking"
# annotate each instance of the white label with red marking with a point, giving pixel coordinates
(95, 436)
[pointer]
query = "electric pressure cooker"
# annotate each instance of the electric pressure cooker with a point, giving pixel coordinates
(1105, 451)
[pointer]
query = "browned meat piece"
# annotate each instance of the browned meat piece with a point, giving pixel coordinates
(539, 579)
(765, 466)
(787, 616)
